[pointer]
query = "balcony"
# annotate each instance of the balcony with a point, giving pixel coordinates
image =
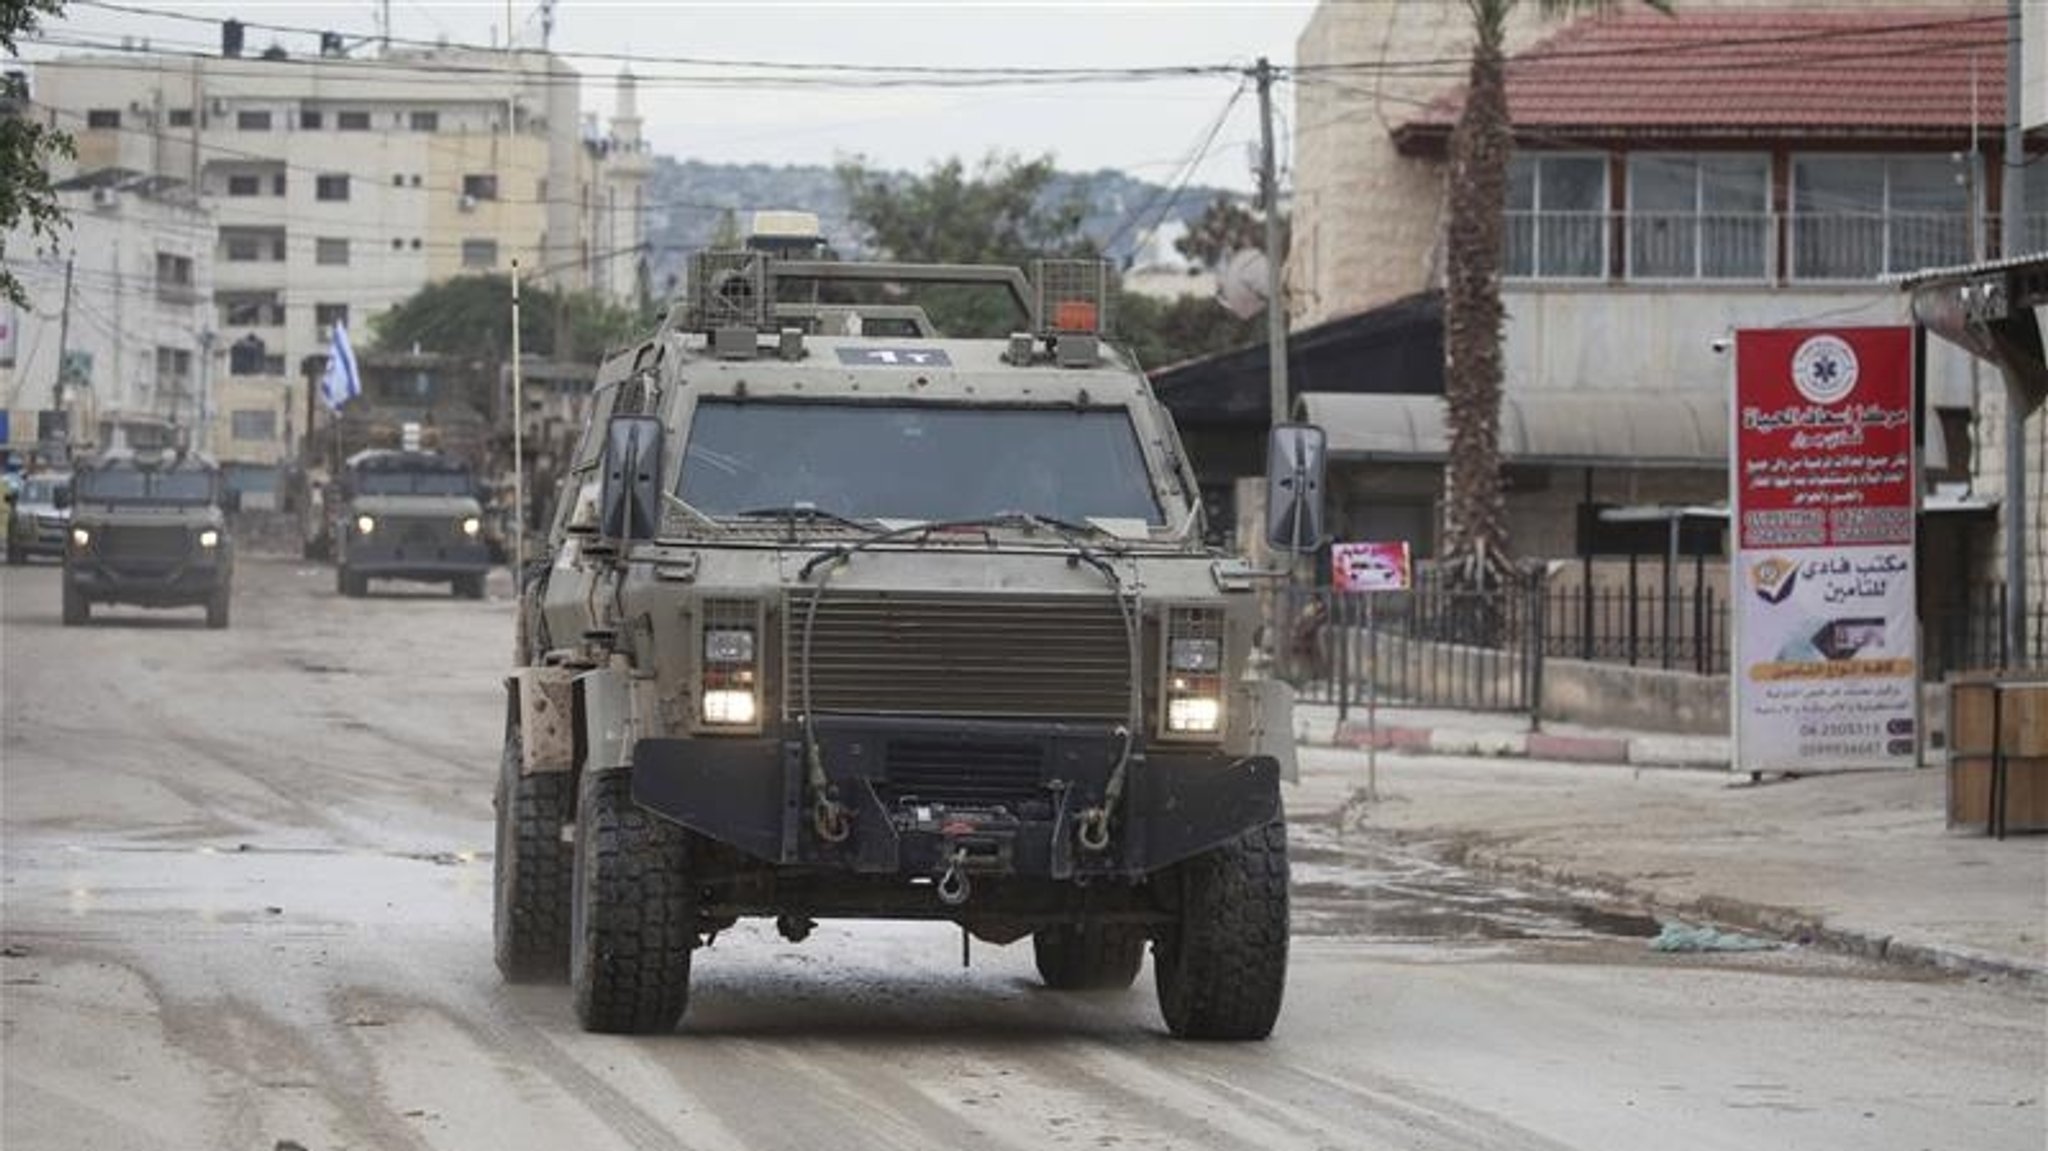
(1741, 248)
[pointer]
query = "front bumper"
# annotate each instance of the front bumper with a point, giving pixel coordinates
(427, 561)
(173, 585)
(994, 797)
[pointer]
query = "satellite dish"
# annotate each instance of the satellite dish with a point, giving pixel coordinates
(1241, 283)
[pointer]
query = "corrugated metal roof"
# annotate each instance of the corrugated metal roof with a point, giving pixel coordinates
(1749, 72)
(1637, 428)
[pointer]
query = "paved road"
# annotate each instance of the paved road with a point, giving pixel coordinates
(246, 898)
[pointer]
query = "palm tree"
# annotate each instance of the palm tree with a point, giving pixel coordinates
(1474, 555)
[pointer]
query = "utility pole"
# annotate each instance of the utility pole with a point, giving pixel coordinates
(60, 392)
(1269, 198)
(2012, 193)
(518, 447)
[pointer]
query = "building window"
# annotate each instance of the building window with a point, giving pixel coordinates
(245, 185)
(398, 179)
(479, 253)
(480, 187)
(246, 247)
(277, 184)
(173, 363)
(250, 310)
(1698, 217)
(397, 243)
(415, 243)
(1556, 217)
(180, 117)
(103, 118)
(325, 316)
(1859, 217)
(424, 121)
(352, 121)
(252, 424)
(309, 118)
(415, 179)
(173, 270)
(253, 120)
(247, 356)
(329, 251)
(333, 186)
(2035, 201)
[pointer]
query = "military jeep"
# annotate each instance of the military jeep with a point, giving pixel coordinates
(149, 529)
(407, 515)
(903, 627)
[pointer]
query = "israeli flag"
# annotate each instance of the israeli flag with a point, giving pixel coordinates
(340, 384)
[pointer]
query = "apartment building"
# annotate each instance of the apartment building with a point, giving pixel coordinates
(339, 186)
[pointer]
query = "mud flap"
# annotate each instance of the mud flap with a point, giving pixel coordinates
(545, 699)
(1273, 733)
(1184, 806)
(728, 790)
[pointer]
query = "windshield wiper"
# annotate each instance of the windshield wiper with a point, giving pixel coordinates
(800, 512)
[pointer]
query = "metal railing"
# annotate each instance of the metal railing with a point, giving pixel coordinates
(1741, 246)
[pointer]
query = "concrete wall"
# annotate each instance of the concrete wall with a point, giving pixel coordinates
(1649, 699)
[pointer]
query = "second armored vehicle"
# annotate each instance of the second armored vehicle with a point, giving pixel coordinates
(408, 516)
(41, 517)
(151, 530)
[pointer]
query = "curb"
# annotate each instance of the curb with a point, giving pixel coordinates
(1786, 924)
(1665, 751)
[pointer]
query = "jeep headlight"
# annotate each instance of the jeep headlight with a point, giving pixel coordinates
(80, 538)
(209, 538)
(366, 524)
(471, 526)
(730, 686)
(1193, 687)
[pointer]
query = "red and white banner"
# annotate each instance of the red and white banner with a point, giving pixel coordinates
(1370, 566)
(1825, 495)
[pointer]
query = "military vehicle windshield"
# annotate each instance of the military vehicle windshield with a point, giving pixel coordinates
(431, 482)
(42, 490)
(144, 485)
(916, 462)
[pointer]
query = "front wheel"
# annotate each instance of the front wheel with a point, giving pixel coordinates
(77, 609)
(468, 587)
(217, 607)
(532, 869)
(1221, 970)
(633, 918)
(1089, 956)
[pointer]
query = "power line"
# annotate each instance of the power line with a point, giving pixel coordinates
(1189, 166)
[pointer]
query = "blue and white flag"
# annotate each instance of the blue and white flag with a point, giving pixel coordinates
(340, 384)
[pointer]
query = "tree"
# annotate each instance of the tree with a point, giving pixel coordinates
(26, 150)
(472, 316)
(1226, 226)
(1159, 333)
(1475, 550)
(1002, 213)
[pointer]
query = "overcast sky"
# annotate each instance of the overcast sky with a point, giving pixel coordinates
(1150, 129)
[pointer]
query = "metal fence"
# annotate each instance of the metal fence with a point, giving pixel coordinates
(1970, 636)
(1683, 630)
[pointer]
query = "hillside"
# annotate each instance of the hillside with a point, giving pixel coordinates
(690, 197)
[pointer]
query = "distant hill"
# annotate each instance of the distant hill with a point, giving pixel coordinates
(689, 198)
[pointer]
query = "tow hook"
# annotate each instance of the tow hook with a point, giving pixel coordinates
(828, 819)
(953, 885)
(1092, 829)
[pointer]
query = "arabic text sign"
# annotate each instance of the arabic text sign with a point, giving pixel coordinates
(1378, 566)
(1824, 492)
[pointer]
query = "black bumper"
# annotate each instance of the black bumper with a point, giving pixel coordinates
(920, 792)
(147, 586)
(422, 570)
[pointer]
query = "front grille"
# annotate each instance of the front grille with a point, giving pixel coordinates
(149, 544)
(1038, 657)
(425, 533)
(967, 774)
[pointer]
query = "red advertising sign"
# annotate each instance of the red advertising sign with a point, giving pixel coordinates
(1826, 635)
(1824, 436)
(1370, 566)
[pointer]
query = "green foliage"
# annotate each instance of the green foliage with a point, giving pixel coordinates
(1226, 226)
(26, 151)
(1001, 213)
(472, 316)
(1161, 333)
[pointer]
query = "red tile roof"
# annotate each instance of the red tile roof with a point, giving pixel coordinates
(1754, 72)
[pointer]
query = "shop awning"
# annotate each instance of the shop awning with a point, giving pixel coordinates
(1636, 428)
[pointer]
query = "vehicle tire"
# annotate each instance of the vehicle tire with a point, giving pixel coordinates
(15, 556)
(1089, 956)
(531, 870)
(468, 587)
(77, 608)
(351, 584)
(633, 916)
(1222, 969)
(217, 607)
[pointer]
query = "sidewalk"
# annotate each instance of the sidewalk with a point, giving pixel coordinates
(1437, 731)
(1860, 862)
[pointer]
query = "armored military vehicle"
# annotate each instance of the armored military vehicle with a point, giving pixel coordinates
(40, 520)
(890, 627)
(150, 529)
(407, 515)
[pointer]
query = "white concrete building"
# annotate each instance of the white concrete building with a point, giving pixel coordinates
(341, 186)
(139, 258)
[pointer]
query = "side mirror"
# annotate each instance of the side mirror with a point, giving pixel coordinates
(629, 502)
(61, 498)
(1294, 488)
(231, 501)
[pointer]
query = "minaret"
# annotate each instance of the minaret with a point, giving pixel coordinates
(628, 167)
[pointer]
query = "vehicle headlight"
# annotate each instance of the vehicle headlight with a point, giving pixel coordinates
(80, 537)
(366, 524)
(209, 538)
(471, 526)
(730, 687)
(1193, 687)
